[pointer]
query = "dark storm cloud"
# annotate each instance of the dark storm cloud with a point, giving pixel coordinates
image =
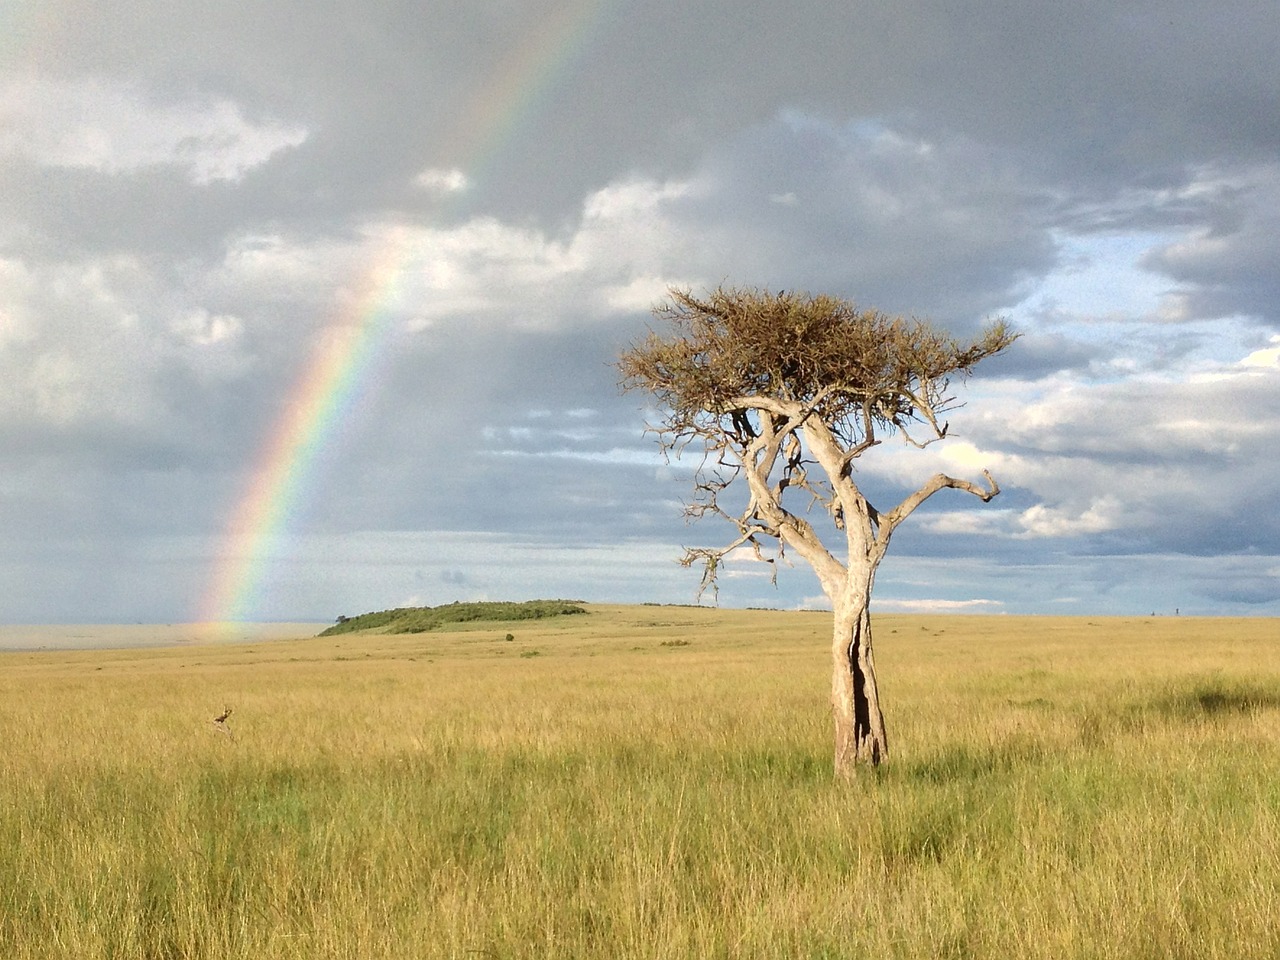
(1088, 93)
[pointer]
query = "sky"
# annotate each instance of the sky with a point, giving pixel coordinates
(310, 308)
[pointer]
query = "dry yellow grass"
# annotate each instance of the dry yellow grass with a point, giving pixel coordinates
(648, 782)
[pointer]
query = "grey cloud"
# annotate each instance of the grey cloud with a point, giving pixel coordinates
(1038, 354)
(65, 214)
(1092, 92)
(1228, 266)
(450, 440)
(1184, 466)
(1053, 579)
(1243, 589)
(870, 213)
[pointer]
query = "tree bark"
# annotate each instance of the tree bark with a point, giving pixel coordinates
(855, 698)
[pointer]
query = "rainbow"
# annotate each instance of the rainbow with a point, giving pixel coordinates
(353, 346)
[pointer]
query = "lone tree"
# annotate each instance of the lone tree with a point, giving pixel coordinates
(770, 385)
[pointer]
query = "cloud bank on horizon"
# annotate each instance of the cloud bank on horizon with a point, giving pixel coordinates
(310, 309)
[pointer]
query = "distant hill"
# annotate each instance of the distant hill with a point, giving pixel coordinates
(422, 619)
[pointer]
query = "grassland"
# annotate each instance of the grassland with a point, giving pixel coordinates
(648, 782)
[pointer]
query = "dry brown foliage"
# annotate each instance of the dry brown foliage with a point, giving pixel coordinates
(862, 372)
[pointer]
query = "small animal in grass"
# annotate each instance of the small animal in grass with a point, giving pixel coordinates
(220, 721)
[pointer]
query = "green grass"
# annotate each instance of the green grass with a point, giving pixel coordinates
(1056, 788)
(422, 619)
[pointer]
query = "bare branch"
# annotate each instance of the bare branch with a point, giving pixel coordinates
(888, 521)
(712, 558)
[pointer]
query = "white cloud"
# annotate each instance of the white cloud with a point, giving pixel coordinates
(18, 322)
(1184, 452)
(100, 344)
(615, 455)
(817, 601)
(1197, 408)
(626, 200)
(938, 606)
(274, 267)
(637, 294)
(621, 259)
(756, 566)
(964, 456)
(442, 181)
(1045, 521)
(977, 521)
(202, 329)
(1266, 357)
(114, 128)
(77, 348)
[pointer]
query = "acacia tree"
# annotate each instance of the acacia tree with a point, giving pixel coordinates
(770, 386)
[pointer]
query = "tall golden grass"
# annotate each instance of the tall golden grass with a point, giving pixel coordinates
(648, 782)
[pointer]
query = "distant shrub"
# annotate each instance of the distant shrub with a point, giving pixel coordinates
(423, 619)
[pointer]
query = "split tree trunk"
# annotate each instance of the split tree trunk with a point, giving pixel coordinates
(855, 699)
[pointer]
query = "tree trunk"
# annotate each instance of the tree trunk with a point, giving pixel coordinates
(855, 699)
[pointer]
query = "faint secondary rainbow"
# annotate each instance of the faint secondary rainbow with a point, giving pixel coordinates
(352, 347)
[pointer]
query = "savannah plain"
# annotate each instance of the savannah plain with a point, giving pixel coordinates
(647, 782)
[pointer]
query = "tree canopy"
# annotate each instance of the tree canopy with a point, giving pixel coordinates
(861, 372)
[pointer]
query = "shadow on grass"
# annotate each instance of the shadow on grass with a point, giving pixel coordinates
(791, 764)
(1214, 698)
(960, 762)
(926, 837)
(1188, 701)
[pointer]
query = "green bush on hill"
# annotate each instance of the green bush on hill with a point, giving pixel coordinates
(422, 619)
